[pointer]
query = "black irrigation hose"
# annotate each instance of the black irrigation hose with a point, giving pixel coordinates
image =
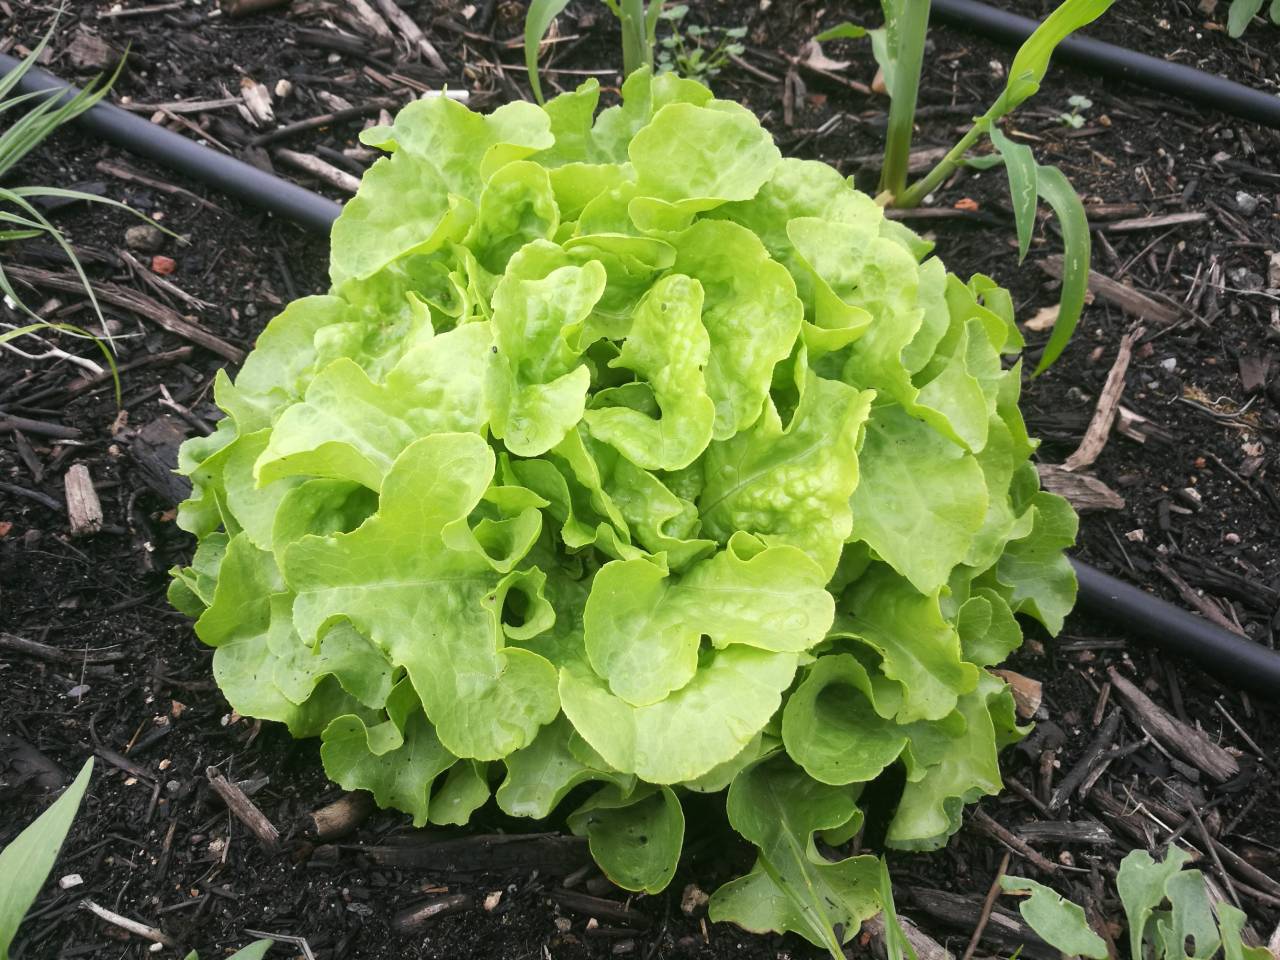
(1228, 656)
(227, 174)
(1246, 664)
(1117, 62)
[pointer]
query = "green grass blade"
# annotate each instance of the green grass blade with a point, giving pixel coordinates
(65, 328)
(10, 79)
(88, 198)
(1020, 167)
(22, 98)
(896, 944)
(536, 24)
(26, 862)
(18, 200)
(1062, 197)
(254, 951)
(842, 31)
(1032, 59)
(48, 117)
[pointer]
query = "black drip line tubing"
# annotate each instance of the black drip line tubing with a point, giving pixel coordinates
(1234, 659)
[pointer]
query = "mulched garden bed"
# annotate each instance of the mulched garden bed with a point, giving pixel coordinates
(1187, 213)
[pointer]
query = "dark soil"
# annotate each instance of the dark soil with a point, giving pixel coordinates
(153, 842)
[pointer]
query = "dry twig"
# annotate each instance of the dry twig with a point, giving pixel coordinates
(245, 810)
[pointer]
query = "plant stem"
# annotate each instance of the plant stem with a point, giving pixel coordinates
(912, 196)
(636, 51)
(908, 58)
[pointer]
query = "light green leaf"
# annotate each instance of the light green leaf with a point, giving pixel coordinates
(464, 791)
(667, 349)
(517, 206)
(751, 314)
(536, 385)
(1239, 14)
(791, 485)
(802, 188)
(396, 760)
(431, 607)
(541, 774)
(921, 500)
(1076, 244)
(831, 727)
(643, 629)
(1230, 922)
(351, 428)
(635, 837)
(919, 647)
(25, 863)
(282, 361)
(842, 31)
(1058, 921)
(703, 724)
(691, 159)
(987, 628)
(964, 770)
(776, 806)
(571, 115)
(1033, 574)
(1141, 884)
(1190, 918)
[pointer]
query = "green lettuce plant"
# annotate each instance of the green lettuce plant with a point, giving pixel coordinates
(627, 458)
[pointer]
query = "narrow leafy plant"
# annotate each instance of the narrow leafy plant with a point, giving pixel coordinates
(899, 49)
(639, 20)
(1166, 906)
(626, 459)
(25, 863)
(20, 218)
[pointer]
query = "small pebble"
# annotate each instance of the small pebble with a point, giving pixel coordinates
(492, 900)
(163, 265)
(143, 237)
(78, 691)
(70, 880)
(1246, 203)
(1169, 363)
(1231, 537)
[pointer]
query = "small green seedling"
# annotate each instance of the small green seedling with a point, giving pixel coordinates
(1078, 104)
(25, 863)
(697, 52)
(1165, 905)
